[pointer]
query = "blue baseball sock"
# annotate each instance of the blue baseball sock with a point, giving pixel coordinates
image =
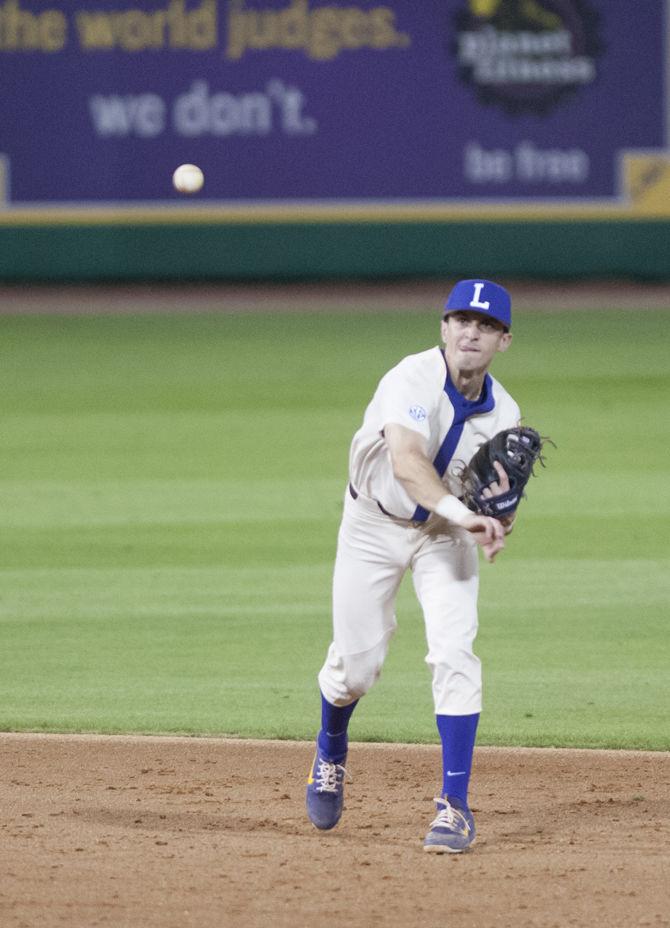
(458, 733)
(333, 738)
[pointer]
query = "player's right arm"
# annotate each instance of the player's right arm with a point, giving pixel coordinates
(414, 470)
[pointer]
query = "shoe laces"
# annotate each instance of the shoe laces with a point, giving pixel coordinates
(329, 776)
(450, 817)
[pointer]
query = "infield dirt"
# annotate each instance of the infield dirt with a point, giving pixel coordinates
(178, 832)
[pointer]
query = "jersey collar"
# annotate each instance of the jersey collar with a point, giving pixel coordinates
(464, 408)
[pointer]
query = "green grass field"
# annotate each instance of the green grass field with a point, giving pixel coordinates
(170, 490)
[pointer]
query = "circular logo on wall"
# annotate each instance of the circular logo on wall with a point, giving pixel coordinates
(526, 55)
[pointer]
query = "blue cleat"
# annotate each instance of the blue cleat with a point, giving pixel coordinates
(453, 830)
(325, 792)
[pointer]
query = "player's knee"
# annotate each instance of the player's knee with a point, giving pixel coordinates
(361, 679)
(456, 661)
(350, 677)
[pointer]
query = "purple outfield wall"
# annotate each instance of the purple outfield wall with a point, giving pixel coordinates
(328, 112)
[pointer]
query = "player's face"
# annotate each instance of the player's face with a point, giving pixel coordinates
(472, 339)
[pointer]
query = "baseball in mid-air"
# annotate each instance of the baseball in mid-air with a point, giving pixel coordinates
(188, 178)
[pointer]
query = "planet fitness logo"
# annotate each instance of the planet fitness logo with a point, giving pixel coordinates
(526, 55)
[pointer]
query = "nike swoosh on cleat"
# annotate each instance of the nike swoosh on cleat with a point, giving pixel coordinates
(455, 773)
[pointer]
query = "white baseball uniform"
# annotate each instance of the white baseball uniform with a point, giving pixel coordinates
(384, 533)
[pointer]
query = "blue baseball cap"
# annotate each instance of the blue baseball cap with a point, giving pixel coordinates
(481, 296)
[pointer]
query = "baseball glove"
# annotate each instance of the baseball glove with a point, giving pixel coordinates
(517, 450)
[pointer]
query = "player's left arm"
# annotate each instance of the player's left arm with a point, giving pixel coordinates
(495, 489)
(502, 485)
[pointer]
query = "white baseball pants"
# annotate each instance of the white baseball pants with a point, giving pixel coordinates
(374, 551)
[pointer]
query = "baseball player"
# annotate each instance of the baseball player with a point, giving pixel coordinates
(402, 511)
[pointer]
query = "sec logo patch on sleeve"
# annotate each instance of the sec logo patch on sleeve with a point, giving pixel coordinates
(418, 413)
